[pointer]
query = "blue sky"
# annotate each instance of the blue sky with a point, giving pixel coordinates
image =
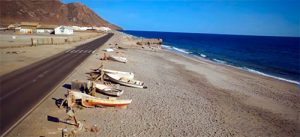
(246, 17)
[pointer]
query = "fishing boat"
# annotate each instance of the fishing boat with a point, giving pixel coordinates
(73, 96)
(117, 58)
(107, 90)
(111, 102)
(90, 101)
(128, 75)
(109, 50)
(125, 81)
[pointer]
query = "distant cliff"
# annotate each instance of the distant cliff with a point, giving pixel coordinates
(50, 12)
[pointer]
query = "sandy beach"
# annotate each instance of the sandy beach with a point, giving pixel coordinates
(185, 97)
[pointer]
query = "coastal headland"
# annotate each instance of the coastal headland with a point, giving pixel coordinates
(185, 97)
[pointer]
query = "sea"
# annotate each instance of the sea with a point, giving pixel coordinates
(271, 56)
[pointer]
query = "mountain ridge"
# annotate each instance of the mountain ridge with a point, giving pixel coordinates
(50, 12)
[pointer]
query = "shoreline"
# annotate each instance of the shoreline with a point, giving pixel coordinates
(245, 69)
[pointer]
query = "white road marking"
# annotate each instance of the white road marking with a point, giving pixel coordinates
(81, 51)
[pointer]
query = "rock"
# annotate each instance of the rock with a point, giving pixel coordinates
(149, 42)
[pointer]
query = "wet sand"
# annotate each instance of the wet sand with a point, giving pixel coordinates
(185, 97)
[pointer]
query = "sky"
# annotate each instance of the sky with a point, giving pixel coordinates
(242, 17)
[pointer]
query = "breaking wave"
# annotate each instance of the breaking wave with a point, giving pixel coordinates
(203, 55)
(268, 75)
(219, 61)
(176, 49)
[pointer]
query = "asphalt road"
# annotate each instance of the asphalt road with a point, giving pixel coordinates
(24, 88)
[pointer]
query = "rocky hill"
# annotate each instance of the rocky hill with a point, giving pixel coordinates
(50, 12)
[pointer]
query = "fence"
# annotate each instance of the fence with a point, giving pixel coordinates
(58, 40)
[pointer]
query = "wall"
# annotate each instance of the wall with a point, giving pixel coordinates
(60, 40)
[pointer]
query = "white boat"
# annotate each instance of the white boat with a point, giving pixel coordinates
(109, 50)
(90, 101)
(125, 81)
(95, 102)
(107, 90)
(72, 96)
(117, 58)
(128, 75)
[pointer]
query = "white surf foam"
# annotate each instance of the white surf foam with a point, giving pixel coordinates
(175, 49)
(166, 46)
(203, 55)
(268, 75)
(181, 50)
(219, 61)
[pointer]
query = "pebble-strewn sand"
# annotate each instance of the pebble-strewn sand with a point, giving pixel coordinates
(185, 97)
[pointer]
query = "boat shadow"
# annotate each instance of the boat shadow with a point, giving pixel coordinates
(59, 101)
(57, 120)
(67, 86)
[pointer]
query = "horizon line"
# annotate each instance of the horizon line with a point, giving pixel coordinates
(216, 33)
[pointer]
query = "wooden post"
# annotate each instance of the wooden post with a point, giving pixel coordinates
(51, 41)
(33, 42)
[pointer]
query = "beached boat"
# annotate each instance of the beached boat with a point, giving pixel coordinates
(109, 50)
(107, 90)
(93, 102)
(72, 96)
(125, 81)
(128, 75)
(90, 101)
(117, 58)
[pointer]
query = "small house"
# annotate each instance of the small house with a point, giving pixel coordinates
(28, 27)
(83, 28)
(12, 26)
(105, 29)
(46, 29)
(63, 30)
(76, 28)
(95, 28)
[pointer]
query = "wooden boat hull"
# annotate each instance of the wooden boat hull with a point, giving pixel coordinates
(107, 90)
(93, 102)
(128, 75)
(128, 82)
(90, 101)
(72, 96)
(120, 59)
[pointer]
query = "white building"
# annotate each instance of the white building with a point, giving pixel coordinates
(63, 30)
(85, 28)
(75, 27)
(105, 29)
(45, 28)
(28, 27)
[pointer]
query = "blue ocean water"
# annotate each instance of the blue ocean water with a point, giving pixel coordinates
(277, 57)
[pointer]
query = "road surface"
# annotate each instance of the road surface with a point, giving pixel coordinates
(23, 89)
